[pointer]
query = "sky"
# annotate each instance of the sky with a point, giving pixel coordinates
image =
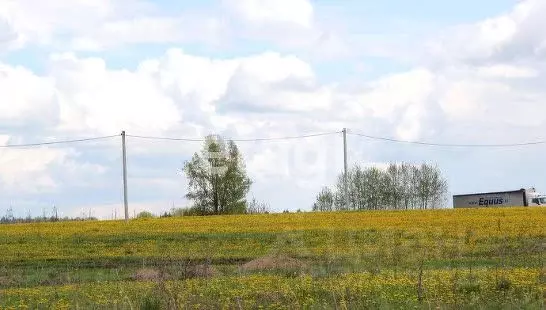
(457, 72)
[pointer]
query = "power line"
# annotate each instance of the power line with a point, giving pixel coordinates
(57, 142)
(237, 140)
(446, 144)
(289, 137)
(165, 138)
(278, 138)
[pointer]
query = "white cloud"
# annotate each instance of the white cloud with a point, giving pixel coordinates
(272, 82)
(28, 171)
(400, 100)
(39, 22)
(106, 101)
(512, 36)
(104, 24)
(307, 162)
(98, 25)
(45, 170)
(410, 126)
(462, 100)
(507, 71)
(158, 29)
(25, 96)
(151, 29)
(8, 36)
(388, 95)
(474, 96)
(263, 12)
(193, 81)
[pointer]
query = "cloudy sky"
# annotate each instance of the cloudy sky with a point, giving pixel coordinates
(457, 72)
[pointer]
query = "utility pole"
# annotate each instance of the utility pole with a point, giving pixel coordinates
(345, 180)
(125, 202)
(345, 151)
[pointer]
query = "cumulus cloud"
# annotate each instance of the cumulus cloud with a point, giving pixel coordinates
(32, 171)
(28, 171)
(25, 96)
(102, 25)
(8, 36)
(271, 82)
(263, 12)
(507, 71)
(39, 22)
(152, 30)
(511, 37)
(106, 101)
(99, 25)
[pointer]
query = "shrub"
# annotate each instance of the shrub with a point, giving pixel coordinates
(145, 214)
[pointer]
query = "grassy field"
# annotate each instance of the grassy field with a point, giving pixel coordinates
(475, 258)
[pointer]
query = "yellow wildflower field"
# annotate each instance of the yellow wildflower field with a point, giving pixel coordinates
(371, 259)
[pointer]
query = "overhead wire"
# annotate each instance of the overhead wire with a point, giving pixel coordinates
(165, 138)
(445, 144)
(359, 134)
(57, 142)
(237, 140)
(159, 138)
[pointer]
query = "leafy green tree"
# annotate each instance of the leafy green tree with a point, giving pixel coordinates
(399, 186)
(218, 183)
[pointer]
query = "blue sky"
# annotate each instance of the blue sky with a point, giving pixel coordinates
(451, 72)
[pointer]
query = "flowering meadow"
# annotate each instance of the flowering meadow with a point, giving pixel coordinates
(448, 259)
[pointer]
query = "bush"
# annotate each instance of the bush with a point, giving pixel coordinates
(144, 215)
(193, 211)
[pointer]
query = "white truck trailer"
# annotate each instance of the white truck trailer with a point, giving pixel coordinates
(515, 198)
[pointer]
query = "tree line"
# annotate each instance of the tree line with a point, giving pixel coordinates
(398, 187)
(10, 218)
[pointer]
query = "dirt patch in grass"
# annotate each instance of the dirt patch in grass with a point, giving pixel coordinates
(201, 271)
(280, 262)
(185, 272)
(6, 281)
(146, 274)
(55, 278)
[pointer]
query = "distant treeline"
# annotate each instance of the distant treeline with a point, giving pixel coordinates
(254, 207)
(9, 218)
(398, 187)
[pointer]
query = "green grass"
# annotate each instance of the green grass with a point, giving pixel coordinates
(68, 263)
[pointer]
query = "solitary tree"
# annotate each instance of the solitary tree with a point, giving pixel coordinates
(218, 183)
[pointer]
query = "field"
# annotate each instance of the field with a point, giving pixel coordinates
(447, 259)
